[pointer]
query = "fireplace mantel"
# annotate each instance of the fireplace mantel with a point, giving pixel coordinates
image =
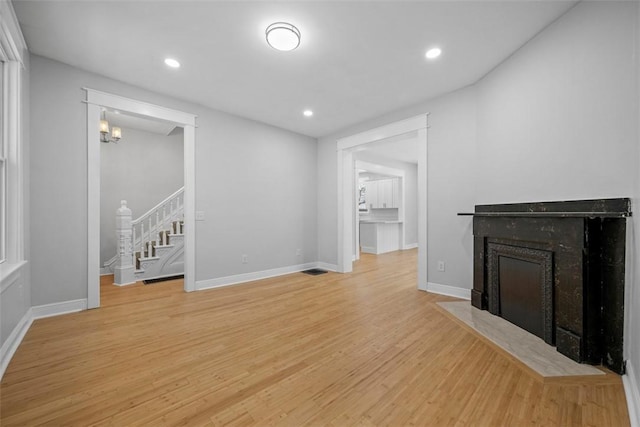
(550, 214)
(572, 253)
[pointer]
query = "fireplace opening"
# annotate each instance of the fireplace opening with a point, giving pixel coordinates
(521, 287)
(520, 294)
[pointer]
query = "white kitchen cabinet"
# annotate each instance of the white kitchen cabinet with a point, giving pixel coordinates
(396, 193)
(371, 194)
(383, 193)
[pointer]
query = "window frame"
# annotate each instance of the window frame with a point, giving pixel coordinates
(13, 54)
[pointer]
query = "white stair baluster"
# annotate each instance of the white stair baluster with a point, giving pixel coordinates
(142, 240)
(149, 236)
(157, 231)
(164, 217)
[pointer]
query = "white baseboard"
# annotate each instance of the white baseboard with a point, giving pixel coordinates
(632, 392)
(13, 341)
(250, 277)
(105, 271)
(452, 291)
(410, 246)
(326, 266)
(58, 308)
(38, 312)
(123, 284)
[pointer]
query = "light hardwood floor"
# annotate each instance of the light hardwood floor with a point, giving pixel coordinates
(360, 349)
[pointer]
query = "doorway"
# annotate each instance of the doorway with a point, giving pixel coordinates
(346, 170)
(97, 102)
(143, 167)
(380, 216)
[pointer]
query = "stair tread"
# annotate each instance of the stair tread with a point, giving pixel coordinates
(151, 258)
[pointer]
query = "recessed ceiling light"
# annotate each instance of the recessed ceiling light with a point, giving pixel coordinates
(172, 63)
(307, 113)
(433, 53)
(283, 36)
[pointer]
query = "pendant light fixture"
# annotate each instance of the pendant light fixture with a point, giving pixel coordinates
(283, 36)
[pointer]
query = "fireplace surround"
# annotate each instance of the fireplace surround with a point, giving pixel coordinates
(557, 270)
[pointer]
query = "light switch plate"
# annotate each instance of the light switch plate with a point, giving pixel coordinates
(199, 215)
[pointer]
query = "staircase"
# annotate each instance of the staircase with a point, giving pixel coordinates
(151, 246)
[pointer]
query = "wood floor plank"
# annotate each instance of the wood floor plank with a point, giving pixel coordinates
(361, 349)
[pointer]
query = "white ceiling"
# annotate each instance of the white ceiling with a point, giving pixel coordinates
(356, 60)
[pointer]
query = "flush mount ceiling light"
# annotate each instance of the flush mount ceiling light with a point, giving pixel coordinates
(170, 62)
(433, 53)
(283, 36)
(307, 113)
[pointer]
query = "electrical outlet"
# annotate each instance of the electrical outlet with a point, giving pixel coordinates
(199, 215)
(440, 265)
(245, 259)
(298, 252)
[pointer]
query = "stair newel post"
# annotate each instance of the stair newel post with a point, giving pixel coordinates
(124, 269)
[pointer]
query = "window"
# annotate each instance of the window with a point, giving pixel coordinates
(12, 97)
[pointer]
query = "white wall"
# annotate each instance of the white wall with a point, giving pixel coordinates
(632, 350)
(256, 184)
(143, 168)
(450, 166)
(556, 118)
(259, 196)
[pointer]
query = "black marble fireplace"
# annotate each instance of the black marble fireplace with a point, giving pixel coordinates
(556, 269)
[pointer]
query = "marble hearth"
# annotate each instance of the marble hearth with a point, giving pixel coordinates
(529, 350)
